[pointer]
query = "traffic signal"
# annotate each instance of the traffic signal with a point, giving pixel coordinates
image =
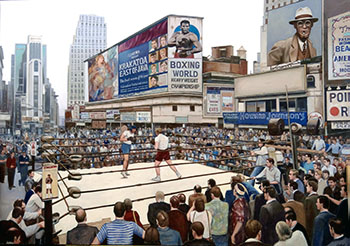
(275, 127)
(313, 125)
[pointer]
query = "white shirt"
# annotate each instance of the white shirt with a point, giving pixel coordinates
(331, 169)
(296, 239)
(128, 134)
(163, 141)
(34, 204)
(203, 218)
(301, 44)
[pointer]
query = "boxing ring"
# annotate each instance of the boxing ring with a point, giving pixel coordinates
(138, 187)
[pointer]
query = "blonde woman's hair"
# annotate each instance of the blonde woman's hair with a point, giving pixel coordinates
(283, 231)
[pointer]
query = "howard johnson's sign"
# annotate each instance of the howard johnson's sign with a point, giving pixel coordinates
(262, 118)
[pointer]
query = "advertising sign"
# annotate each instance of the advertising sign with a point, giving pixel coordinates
(127, 117)
(49, 181)
(84, 115)
(219, 99)
(110, 113)
(339, 47)
(338, 105)
(185, 54)
(262, 118)
(98, 115)
(282, 35)
(143, 117)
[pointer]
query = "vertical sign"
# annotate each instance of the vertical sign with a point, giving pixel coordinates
(339, 47)
(49, 181)
(185, 54)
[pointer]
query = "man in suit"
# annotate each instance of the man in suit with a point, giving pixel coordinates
(270, 214)
(260, 199)
(183, 206)
(298, 47)
(342, 211)
(177, 219)
(337, 232)
(10, 231)
(154, 208)
(321, 233)
(82, 233)
(253, 233)
(294, 225)
(310, 206)
(197, 194)
(333, 190)
(298, 208)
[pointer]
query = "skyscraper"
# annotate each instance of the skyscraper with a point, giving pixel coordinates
(89, 39)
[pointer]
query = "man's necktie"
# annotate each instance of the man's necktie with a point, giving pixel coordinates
(304, 49)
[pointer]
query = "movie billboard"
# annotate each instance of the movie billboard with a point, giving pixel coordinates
(294, 32)
(339, 47)
(185, 54)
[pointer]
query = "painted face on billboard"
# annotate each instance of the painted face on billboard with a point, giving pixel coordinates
(163, 66)
(163, 41)
(185, 27)
(303, 28)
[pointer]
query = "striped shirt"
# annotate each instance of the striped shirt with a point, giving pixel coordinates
(119, 232)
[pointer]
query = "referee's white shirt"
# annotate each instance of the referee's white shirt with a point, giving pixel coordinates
(162, 141)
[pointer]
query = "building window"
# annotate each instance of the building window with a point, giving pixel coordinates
(192, 108)
(174, 108)
(36, 66)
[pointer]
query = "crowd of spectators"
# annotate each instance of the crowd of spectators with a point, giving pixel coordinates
(305, 205)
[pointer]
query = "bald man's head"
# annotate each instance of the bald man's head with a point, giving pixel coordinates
(80, 215)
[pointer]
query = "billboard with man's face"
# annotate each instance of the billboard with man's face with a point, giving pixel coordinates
(294, 32)
(167, 56)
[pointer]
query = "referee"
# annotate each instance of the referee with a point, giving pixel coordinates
(161, 145)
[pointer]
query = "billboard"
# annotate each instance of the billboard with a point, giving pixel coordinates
(166, 56)
(262, 118)
(219, 99)
(338, 105)
(339, 47)
(294, 32)
(185, 54)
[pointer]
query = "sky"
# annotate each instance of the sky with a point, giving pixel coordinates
(226, 22)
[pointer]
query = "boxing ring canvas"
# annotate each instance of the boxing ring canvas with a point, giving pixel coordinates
(139, 189)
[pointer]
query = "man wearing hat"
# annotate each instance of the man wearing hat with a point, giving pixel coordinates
(298, 47)
(161, 145)
(127, 137)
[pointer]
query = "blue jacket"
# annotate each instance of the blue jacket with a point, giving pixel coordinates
(321, 234)
(169, 236)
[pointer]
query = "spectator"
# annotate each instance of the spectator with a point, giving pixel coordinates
(211, 184)
(198, 213)
(330, 168)
(177, 219)
(197, 230)
(260, 199)
(334, 148)
(293, 175)
(298, 208)
(152, 236)
(271, 173)
(321, 182)
(167, 236)
(119, 231)
(131, 215)
(311, 210)
(240, 214)
(337, 232)
(12, 225)
(23, 167)
(35, 203)
(319, 144)
(333, 191)
(308, 164)
(321, 234)
(3, 159)
(183, 206)
(30, 193)
(270, 214)
(197, 194)
(11, 169)
(253, 233)
(29, 223)
(29, 181)
(294, 225)
(287, 237)
(262, 155)
(219, 211)
(342, 211)
(154, 208)
(82, 233)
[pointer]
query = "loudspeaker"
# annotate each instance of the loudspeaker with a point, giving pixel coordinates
(296, 128)
(275, 127)
(313, 125)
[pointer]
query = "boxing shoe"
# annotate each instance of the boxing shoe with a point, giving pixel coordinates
(156, 178)
(124, 175)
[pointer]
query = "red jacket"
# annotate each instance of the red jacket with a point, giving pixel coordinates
(11, 162)
(129, 216)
